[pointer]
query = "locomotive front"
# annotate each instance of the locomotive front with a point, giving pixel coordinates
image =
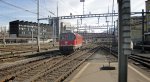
(69, 42)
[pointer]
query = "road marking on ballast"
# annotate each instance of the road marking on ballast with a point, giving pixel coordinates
(80, 72)
(144, 76)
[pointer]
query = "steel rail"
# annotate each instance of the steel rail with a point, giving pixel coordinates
(61, 71)
(145, 61)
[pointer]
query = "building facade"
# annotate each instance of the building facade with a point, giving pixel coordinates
(136, 29)
(65, 27)
(147, 32)
(25, 29)
(147, 15)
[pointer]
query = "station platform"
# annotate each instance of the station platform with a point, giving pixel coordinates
(90, 72)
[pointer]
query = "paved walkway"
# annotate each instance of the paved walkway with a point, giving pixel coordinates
(91, 72)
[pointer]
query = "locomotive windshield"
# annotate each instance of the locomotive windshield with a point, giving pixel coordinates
(67, 36)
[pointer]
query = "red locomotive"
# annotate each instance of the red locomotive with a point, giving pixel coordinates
(70, 42)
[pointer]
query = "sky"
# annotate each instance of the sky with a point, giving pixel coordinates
(28, 8)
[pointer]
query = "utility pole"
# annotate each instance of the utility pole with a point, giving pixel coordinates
(57, 8)
(53, 32)
(107, 25)
(98, 21)
(81, 21)
(83, 5)
(112, 12)
(124, 39)
(107, 32)
(114, 35)
(112, 23)
(77, 25)
(32, 35)
(143, 30)
(108, 39)
(4, 35)
(57, 27)
(38, 27)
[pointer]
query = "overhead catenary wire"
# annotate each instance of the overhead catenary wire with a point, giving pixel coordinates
(44, 7)
(1, 15)
(6, 16)
(138, 4)
(112, 12)
(17, 6)
(34, 1)
(69, 6)
(26, 10)
(65, 10)
(48, 9)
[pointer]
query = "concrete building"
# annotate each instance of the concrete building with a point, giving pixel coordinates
(147, 34)
(56, 26)
(136, 29)
(65, 27)
(148, 15)
(24, 29)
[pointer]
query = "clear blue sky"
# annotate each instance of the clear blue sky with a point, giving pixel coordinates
(9, 13)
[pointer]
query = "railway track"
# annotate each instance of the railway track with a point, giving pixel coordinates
(22, 48)
(8, 72)
(20, 56)
(10, 59)
(61, 66)
(145, 61)
(64, 69)
(34, 69)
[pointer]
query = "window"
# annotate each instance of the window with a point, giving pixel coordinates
(71, 37)
(62, 37)
(67, 36)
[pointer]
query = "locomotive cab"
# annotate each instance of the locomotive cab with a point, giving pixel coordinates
(69, 42)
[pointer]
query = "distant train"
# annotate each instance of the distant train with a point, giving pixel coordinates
(69, 42)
